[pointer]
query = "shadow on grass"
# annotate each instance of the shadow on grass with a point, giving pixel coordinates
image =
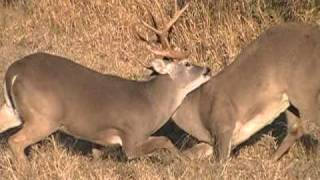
(277, 130)
(180, 138)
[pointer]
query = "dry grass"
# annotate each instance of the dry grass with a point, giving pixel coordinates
(99, 34)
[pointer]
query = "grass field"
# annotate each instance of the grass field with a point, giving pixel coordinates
(100, 34)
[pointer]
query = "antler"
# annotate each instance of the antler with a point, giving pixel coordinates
(162, 34)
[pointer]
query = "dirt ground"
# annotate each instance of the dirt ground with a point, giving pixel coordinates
(100, 34)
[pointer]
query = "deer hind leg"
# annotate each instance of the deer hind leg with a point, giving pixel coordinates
(307, 113)
(31, 132)
(148, 146)
(294, 132)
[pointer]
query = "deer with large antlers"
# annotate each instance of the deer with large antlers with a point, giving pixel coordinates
(45, 93)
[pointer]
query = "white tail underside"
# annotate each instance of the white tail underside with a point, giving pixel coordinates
(9, 117)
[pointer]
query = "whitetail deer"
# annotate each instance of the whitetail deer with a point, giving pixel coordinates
(278, 72)
(45, 93)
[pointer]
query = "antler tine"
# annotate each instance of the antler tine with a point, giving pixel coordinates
(176, 5)
(169, 53)
(154, 29)
(176, 16)
(151, 28)
(162, 35)
(159, 9)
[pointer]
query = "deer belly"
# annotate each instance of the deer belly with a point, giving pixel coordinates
(244, 131)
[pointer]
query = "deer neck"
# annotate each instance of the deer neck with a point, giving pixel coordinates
(164, 96)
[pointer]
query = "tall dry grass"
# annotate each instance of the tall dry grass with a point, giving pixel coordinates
(99, 34)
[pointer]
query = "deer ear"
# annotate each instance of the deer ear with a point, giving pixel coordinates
(160, 66)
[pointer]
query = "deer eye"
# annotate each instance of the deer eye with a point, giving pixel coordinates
(187, 64)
